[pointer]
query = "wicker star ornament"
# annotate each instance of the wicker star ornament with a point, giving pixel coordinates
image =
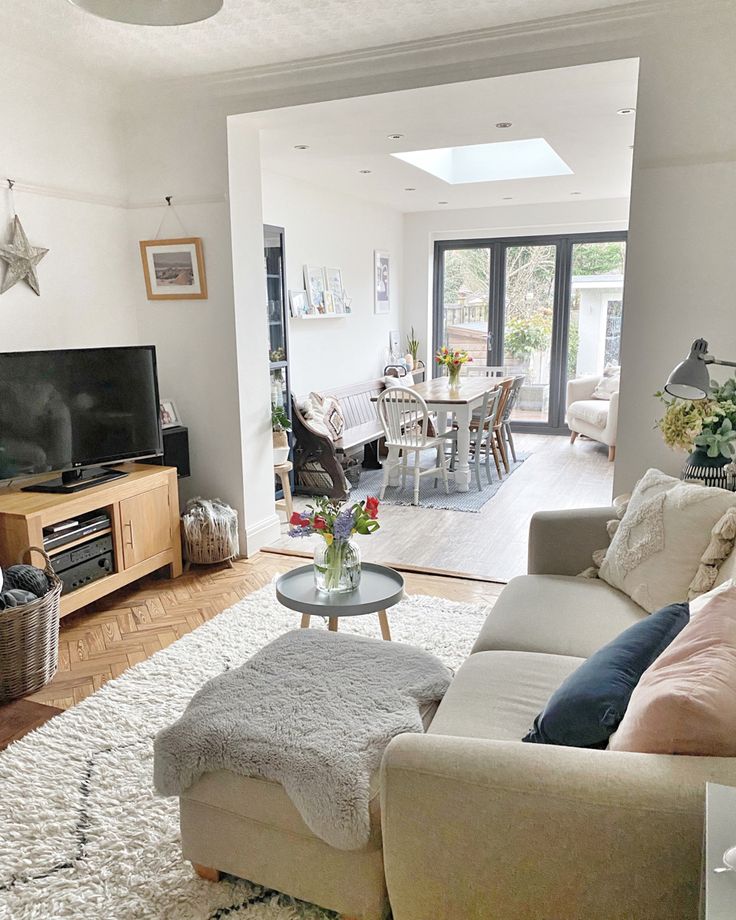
(22, 259)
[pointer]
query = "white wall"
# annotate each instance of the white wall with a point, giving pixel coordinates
(423, 228)
(62, 135)
(339, 231)
(680, 263)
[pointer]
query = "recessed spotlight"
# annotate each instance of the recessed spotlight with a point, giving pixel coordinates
(410, 190)
(503, 124)
(364, 172)
(395, 137)
(507, 198)
(443, 202)
(301, 146)
(576, 193)
(626, 111)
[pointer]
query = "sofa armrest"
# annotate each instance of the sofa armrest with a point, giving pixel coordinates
(609, 433)
(563, 542)
(581, 388)
(500, 830)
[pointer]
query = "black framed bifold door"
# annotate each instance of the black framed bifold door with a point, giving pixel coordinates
(548, 308)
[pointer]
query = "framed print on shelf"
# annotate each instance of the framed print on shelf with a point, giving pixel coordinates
(299, 304)
(329, 304)
(333, 277)
(314, 282)
(382, 292)
(168, 414)
(174, 269)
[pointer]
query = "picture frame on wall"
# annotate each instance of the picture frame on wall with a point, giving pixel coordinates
(333, 278)
(382, 281)
(299, 304)
(168, 413)
(314, 282)
(174, 269)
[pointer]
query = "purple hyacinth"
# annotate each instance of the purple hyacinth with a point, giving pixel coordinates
(343, 526)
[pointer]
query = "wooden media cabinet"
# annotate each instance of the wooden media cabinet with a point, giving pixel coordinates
(144, 515)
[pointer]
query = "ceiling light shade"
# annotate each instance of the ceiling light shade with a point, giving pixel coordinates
(690, 379)
(152, 12)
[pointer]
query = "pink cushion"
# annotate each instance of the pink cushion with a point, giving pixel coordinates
(685, 702)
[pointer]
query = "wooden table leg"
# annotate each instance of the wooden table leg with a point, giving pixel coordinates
(332, 625)
(383, 620)
(306, 617)
(286, 488)
(206, 872)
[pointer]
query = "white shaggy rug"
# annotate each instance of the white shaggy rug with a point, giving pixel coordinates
(82, 834)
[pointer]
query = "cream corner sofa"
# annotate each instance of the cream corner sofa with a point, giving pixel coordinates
(480, 826)
(594, 418)
(468, 822)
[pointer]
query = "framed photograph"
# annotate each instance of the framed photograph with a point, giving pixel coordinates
(382, 270)
(314, 282)
(174, 269)
(168, 414)
(329, 304)
(333, 277)
(299, 303)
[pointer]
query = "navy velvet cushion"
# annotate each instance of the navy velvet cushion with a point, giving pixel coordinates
(587, 708)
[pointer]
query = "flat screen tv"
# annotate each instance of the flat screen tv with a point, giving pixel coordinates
(71, 411)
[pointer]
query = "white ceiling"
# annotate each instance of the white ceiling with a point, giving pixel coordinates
(248, 33)
(573, 108)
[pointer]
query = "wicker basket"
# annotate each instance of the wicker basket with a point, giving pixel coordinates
(29, 640)
(210, 531)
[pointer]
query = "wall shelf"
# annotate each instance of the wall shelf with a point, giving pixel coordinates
(324, 316)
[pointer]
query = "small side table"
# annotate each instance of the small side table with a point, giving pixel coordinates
(720, 835)
(380, 588)
(282, 471)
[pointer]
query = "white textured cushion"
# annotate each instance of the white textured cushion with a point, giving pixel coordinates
(658, 546)
(609, 383)
(406, 381)
(592, 411)
(331, 412)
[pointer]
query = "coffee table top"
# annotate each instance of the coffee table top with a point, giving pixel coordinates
(379, 588)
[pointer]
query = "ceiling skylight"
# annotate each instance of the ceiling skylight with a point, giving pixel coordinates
(526, 159)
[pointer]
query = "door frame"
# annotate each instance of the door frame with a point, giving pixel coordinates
(564, 243)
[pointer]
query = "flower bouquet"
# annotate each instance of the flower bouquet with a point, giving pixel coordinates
(453, 361)
(337, 558)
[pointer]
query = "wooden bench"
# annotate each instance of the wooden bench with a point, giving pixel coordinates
(362, 430)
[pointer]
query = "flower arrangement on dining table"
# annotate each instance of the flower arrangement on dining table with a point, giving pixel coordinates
(453, 360)
(337, 559)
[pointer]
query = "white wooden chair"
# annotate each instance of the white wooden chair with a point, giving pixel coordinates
(405, 420)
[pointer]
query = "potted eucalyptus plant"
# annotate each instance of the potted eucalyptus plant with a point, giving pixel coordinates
(280, 425)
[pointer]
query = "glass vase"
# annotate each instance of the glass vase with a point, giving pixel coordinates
(336, 566)
(453, 374)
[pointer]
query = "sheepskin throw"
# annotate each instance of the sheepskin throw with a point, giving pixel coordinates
(314, 711)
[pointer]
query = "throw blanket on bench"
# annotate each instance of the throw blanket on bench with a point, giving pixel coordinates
(312, 710)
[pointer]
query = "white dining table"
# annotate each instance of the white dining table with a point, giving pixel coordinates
(460, 402)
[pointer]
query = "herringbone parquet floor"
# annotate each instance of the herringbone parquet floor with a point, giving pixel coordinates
(102, 640)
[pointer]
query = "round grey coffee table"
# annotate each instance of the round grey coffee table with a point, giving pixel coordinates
(379, 589)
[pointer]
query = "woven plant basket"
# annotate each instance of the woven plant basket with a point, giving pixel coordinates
(29, 640)
(210, 531)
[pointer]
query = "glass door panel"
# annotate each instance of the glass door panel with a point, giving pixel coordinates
(529, 309)
(596, 307)
(466, 279)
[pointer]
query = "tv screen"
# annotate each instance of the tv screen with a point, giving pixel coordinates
(65, 409)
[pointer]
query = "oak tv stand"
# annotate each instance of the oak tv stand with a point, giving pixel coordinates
(144, 515)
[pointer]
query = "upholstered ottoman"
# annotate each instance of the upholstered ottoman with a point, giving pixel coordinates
(250, 828)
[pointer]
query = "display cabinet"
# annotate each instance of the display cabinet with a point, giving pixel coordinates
(278, 326)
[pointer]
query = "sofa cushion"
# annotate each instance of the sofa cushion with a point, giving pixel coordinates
(495, 695)
(588, 707)
(559, 614)
(609, 383)
(592, 411)
(685, 702)
(656, 551)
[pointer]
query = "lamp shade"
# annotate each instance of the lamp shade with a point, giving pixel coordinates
(690, 379)
(152, 12)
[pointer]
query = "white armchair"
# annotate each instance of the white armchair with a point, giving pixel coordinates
(595, 418)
